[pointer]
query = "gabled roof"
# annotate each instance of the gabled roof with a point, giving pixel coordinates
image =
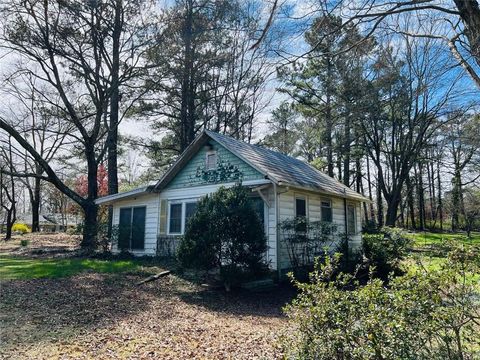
(279, 168)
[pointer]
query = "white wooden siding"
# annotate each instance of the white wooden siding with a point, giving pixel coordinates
(197, 192)
(287, 211)
(151, 202)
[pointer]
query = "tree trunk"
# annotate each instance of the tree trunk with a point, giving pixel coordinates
(328, 119)
(112, 138)
(370, 195)
(186, 117)
(90, 211)
(411, 207)
(431, 184)
(379, 204)
(35, 200)
(392, 207)
(10, 221)
(346, 152)
(88, 205)
(440, 204)
(470, 13)
(456, 199)
(421, 198)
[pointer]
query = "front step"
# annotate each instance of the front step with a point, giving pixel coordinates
(259, 285)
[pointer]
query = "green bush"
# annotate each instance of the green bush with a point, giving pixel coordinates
(304, 240)
(21, 228)
(421, 315)
(24, 242)
(385, 249)
(226, 234)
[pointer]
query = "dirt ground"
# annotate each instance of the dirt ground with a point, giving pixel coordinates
(40, 244)
(106, 316)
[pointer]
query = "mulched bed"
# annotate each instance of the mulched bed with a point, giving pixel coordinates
(106, 316)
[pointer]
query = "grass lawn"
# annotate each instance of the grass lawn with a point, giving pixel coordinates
(422, 239)
(24, 268)
(430, 249)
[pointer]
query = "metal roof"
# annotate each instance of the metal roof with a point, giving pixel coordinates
(284, 169)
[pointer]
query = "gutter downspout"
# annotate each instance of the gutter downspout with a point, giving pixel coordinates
(346, 220)
(277, 238)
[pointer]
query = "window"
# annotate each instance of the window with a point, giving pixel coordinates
(326, 208)
(131, 232)
(258, 206)
(351, 226)
(301, 212)
(178, 215)
(300, 207)
(211, 160)
(175, 223)
(189, 211)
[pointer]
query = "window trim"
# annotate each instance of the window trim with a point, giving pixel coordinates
(131, 226)
(170, 203)
(208, 153)
(265, 213)
(183, 219)
(330, 202)
(351, 205)
(301, 197)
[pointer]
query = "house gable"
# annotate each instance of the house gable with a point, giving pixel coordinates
(230, 168)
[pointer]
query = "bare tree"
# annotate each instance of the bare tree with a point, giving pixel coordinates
(64, 46)
(409, 115)
(8, 186)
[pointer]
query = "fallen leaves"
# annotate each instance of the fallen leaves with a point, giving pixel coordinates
(106, 316)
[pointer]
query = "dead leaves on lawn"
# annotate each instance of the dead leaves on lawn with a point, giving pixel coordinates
(105, 316)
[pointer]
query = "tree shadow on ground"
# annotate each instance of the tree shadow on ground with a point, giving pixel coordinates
(43, 309)
(49, 310)
(240, 302)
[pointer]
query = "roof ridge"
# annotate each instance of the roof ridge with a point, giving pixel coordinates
(284, 167)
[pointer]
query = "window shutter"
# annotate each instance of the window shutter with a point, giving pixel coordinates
(163, 217)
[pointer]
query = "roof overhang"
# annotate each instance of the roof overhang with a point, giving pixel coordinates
(124, 195)
(358, 197)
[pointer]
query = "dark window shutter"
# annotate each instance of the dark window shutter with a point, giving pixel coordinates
(138, 228)
(124, 228)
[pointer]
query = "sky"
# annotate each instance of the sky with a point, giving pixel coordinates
(291, 20)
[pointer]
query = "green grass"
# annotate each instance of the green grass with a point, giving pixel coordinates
(429, 239)
(431, 250)
(21, 268)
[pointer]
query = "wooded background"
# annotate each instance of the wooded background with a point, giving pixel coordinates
(382, 96)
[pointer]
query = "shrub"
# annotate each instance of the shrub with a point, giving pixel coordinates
(225, 233)
(385, 249)
(21, 228)
(421, 315)
(24, 242)
(78, 230)
(304, 240)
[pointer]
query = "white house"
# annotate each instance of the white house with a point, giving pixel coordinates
(152, 218)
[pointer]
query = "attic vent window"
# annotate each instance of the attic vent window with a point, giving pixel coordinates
(211, 160)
